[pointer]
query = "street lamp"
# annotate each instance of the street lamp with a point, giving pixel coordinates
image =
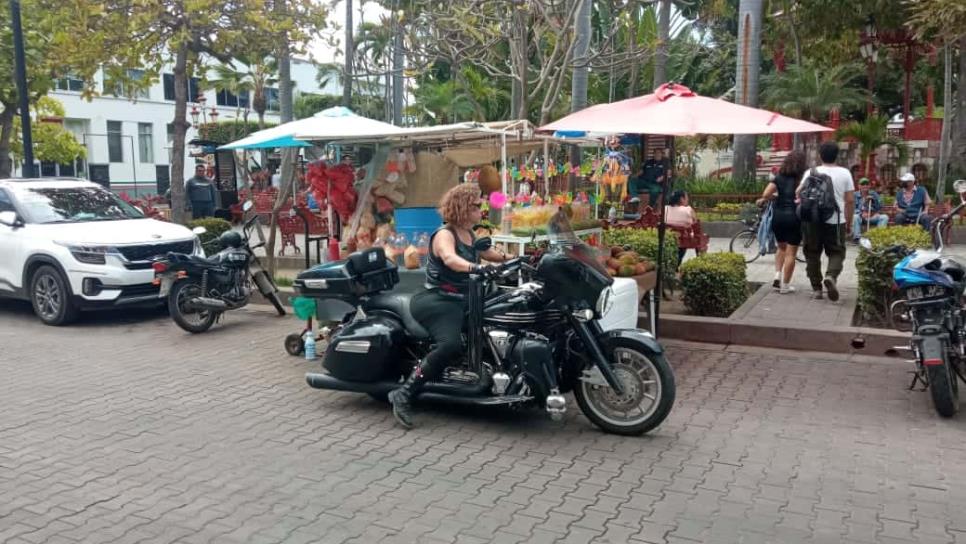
(870, 53)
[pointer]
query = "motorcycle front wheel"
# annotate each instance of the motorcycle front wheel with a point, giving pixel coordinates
(189, 319)
(648, 391)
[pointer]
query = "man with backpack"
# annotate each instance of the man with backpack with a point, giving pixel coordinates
(826, 207)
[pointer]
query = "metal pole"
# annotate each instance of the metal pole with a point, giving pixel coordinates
(661, 230)
(21, 74)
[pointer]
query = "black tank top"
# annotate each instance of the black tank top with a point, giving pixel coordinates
(786, 191)
(440, 276)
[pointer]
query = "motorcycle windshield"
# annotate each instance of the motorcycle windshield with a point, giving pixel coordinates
(562, 237)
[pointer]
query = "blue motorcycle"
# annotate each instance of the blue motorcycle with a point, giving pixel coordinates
(931, 288)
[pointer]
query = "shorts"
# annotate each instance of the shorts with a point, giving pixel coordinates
(787, 227)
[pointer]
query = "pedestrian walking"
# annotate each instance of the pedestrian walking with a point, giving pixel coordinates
(785, 223)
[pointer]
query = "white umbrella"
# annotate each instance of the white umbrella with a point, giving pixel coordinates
(333, 123)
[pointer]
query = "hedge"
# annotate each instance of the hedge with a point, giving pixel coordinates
(644, 242)
(714, 284)
(214, 228)
(875, 269)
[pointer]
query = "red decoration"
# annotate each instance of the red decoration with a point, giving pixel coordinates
(333, 182)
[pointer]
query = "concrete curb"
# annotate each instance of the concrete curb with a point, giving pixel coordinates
(766, 335)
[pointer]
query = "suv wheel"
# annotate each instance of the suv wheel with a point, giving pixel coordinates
(50, 296)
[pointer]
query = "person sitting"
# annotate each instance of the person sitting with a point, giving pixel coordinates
(680, 214)
(913, 202)
(650, 179)
(442, 306)
(868, 208)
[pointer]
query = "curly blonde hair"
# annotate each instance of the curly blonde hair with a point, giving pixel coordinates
(458, 202)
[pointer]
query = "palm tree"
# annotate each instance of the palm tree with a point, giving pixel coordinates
(872, 134)
(442, 102)
(811, 93)
(232, 81)
(488, 100)
(263, 74)
(374, 44)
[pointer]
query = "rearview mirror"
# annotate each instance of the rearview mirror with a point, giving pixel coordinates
(865, 243)
(199, 230)
(960, 187)
(483, 244)
(10, 219)
(247, 205)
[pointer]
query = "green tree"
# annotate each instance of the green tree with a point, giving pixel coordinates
(872, 134)
(441, 102)
(52, 142)
(236, 82)
(152, 34)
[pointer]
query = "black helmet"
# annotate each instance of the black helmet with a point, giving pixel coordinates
(230, 238)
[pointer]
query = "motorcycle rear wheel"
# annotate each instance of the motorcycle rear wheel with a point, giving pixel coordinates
(943, 388)
(649, 392)
(192, 321)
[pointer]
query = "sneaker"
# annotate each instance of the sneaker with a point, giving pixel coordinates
(777, 284)
(833, 291)
(786, 289)
(817, 294)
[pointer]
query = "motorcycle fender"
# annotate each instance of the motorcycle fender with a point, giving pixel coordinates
(167, 280)
(640, 336)
(932, 347)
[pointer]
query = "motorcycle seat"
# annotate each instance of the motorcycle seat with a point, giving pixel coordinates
(398, 304)
(214, 260)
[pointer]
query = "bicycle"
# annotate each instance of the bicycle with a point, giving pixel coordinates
(745, 242)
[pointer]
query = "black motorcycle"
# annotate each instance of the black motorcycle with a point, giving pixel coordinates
(199, 289)
(525, 344)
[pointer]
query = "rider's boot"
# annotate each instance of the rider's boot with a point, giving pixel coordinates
(401, 399)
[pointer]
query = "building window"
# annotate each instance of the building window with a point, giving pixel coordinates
(70, 83)
(48, 169)
(115, 149)
(194, 86)
(225, 98)
(170, 132)
(146, 142)
(271, 99)
(121, 88)
(67, 170)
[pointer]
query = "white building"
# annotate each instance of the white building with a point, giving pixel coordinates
(130, 140)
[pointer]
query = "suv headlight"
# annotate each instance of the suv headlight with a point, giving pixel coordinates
(89, 254)
(605, 301)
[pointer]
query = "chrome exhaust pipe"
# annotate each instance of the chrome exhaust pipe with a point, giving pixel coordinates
(206, 303)
(556, 405)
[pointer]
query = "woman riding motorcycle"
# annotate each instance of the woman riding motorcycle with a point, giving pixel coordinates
(441, 308)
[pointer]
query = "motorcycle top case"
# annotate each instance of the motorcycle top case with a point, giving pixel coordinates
(365, 272)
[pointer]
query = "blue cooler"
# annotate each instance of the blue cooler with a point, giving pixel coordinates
(413, 221)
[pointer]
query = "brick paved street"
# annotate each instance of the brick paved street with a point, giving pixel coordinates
(130, 430)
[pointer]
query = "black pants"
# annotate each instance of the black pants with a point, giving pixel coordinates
(442, 316)
(202, 209)
(821, 237)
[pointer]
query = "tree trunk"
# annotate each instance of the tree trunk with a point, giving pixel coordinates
(349, 47)
(180, 129)
(957, 156)
(749, 62)
(519, 63)
(398, 64)
(287, 173)
(947, 107)
(6, 131)
(631, 51)
(663, 36)
(578, 89)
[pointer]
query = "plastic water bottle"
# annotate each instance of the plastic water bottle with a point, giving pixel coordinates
(310, 346)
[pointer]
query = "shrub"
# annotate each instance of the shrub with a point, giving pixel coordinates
(644, 242)
(875, 269)
(714, 284)
(213, 229)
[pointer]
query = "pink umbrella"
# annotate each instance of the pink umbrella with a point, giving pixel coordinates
(675, 110)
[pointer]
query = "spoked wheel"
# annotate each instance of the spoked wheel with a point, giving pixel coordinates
(648, 392)
(50, 295)
(189, 319)
(745, 243)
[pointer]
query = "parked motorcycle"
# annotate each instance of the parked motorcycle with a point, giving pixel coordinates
(932, 287)
(528, 343)
(200, 289)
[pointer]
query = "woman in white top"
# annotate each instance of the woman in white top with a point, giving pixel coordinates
(680, 214)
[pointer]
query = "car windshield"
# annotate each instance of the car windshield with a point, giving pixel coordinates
(74, 205)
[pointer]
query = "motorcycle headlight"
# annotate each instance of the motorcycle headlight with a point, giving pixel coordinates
(605, 301)
(89, 254)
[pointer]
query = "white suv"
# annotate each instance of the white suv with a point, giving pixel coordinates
(68, 245)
